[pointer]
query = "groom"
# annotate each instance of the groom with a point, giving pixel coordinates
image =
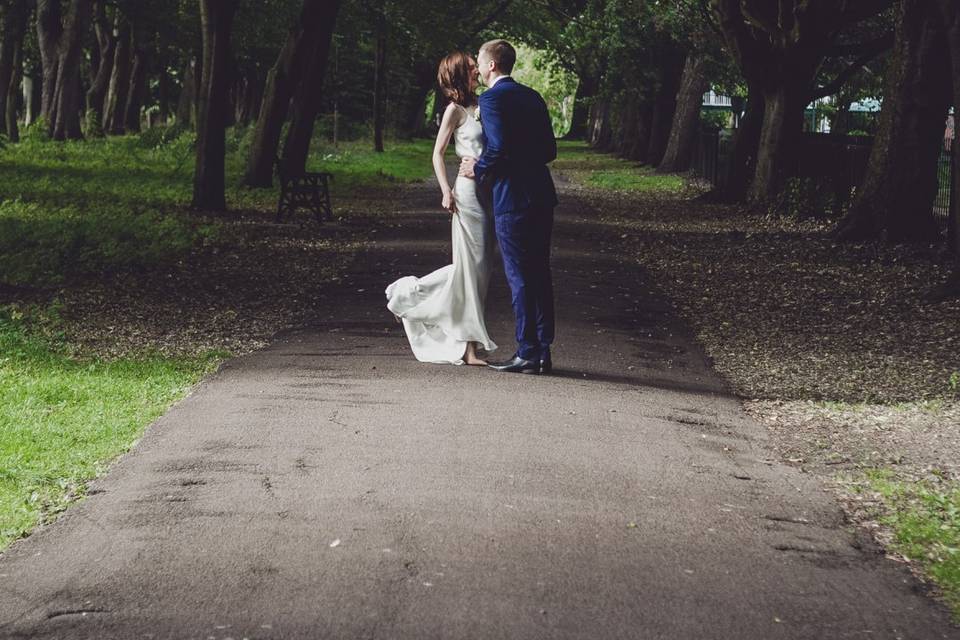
(519, 145)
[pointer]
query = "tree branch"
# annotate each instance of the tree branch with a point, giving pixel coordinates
(844, 76)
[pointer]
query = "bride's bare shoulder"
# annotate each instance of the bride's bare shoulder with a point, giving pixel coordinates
(455, 113)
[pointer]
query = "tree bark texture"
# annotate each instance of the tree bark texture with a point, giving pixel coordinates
(628, 126)
(188, 95)
(642, 143)
(69, 95)
(380, 82)
(898, 191)
(119, 86)
(600, 131)
(97, 94)
(664, 106)
(49, 31)
(686, 120)
(136, 87)
(778, 152)
(13, 27)
(282, 81)
(15, 96)
(307, 97)
(586, 92)
(209, 173)
(743, 152)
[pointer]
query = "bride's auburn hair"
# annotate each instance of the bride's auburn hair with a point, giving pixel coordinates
(454, 79)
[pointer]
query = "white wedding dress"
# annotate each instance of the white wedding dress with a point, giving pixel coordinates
(443, 311)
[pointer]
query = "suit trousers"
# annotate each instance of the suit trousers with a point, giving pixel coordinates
(524, 238)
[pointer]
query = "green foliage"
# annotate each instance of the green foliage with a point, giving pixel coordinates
(63, 419)
(715, 119)
(925, 518)
(541, 70)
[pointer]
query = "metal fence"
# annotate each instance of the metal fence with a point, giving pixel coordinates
(836, 164)
(945, 195)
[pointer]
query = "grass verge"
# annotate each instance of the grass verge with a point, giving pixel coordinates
(64, 418)
(924, 517)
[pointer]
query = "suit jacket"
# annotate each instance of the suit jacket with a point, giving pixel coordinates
(519, 144)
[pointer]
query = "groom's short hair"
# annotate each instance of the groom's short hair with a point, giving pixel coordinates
(503, 53)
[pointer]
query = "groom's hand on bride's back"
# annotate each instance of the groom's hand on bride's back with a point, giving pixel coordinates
(466, 167)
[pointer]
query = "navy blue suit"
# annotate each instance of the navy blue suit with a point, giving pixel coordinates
(519, 144)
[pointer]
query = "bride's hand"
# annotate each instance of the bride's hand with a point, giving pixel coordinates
(449, 203)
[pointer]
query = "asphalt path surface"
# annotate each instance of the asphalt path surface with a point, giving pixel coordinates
(330, 486)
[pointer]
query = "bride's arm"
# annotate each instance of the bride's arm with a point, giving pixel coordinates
(451, 119)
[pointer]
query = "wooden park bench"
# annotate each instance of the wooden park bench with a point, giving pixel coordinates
(306, 190)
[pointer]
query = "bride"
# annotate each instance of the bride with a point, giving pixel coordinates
(442, 313)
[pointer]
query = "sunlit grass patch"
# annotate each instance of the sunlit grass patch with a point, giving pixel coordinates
(582, 165)
(925, 520)
(64, 418)
(636, 180)
(356, 164)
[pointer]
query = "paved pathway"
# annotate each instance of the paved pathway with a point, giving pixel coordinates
(332, 487)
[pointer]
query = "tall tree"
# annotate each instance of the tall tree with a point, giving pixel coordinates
(686, 119)
(780, 48)
(897, 194)
(97, 93)
(313, 26)
(69, 94)
(49, 32)
(307, 98)
(119, 85)
(13, 26)
(380, 77)
(209, 174)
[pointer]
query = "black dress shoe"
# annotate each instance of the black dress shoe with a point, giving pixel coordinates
(546, 366)
(517, 365)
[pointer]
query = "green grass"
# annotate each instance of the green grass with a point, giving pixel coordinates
(75, 209)
(64, 418)
(356, 165)
(925, 519)
(587, 167)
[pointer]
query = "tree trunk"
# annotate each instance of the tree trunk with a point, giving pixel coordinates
(778, 152)
(136, 88)
(307, 98)
(49, 30)
(414, 117)
(119, 86)
(163, 92)
(898, 191)
(664, 106)
(13, 24)
(380, 82)
(628, 126)
(586, 92)
(15, 96)
(600, 124)
(69, 92)
(97, 94)
(316, 18)
(209, 180)
(188, 95)
(686, 120)
(742, 162)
